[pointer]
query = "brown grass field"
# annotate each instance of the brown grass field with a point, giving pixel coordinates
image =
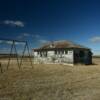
(50, 82)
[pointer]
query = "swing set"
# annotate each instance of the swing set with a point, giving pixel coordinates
(13, 47)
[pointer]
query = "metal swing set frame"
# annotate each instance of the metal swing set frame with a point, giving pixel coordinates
(13, 46)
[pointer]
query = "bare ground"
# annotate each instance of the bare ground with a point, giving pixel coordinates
(51, 82)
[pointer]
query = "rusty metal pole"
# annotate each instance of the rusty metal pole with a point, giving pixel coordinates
(16, 54)
(22, 56)
(29, 55)
(10, 55)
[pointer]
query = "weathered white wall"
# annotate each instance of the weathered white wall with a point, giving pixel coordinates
(50, 53)
(58, 58)
(69, 56)
(35, 54)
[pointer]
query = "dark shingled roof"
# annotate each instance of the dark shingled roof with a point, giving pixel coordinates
(60, 45)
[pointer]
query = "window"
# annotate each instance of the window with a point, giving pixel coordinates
(45, 53)
(62, 51)
(55, 51)
(58, 52)
(66, 51)
(70, 52)
(38, 52)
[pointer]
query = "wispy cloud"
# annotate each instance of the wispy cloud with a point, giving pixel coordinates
(39, 39)
(26, 34)
(35, 38)
(23, 36)
(11, 42)
(5, 42)
(14, 23)
(8, 42)
(19, 43)
(43, 41)
(95, 39)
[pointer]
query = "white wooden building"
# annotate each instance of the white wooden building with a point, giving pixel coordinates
(64, 52)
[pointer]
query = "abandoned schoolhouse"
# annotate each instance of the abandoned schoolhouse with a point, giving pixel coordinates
(63, 52)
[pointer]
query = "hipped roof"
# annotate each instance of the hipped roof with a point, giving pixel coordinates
(60, 45)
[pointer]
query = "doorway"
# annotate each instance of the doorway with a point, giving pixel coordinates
(81, 56)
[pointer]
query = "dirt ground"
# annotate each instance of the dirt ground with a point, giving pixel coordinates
(51, 82)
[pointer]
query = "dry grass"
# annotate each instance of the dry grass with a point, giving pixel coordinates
(51, 82)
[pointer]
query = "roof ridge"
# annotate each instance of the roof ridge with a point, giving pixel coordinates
(62, 44)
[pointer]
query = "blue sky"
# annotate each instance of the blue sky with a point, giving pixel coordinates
(41, 21)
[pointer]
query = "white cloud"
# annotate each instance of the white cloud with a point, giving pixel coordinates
(5, 42)
(1, 41)
(8, 42)
(14, 23)
(95, 39)
(39, 39)
(26, 34)
(19, 43)
(36, 36)
(43, 41)
(19, 37)
(23, 36)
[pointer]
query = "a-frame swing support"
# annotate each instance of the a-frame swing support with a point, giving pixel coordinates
(26, 47)
(13, 46)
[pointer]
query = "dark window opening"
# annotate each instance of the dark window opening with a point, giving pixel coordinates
(38, 52)
(55, 51)
(66, 51)
(45, 54)
(62, 52)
